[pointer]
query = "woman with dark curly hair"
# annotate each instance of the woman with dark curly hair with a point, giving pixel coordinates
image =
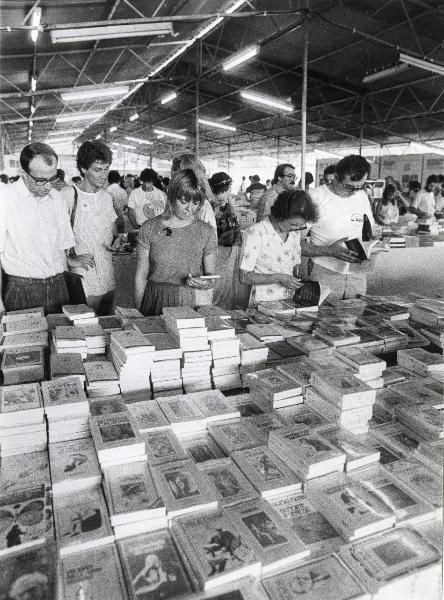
(271, 250)
(174, 249)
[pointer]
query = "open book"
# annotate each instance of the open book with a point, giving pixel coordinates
(362, 249)
(312, 293)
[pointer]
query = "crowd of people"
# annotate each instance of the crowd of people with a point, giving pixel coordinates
(191, 248)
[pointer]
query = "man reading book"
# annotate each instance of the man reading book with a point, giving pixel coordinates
(342, 206)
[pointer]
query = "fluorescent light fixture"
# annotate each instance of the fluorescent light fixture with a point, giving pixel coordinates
(98, 136)
(172, 134)
(386, 72)
(427, 65)
(113, 128)
(35, 22)
(32, 109)
(128, 146)
(168, 98)
(60, 140)
(65, 131)
(31, 124)
(267, 101)
(82, 95)
(240, 57)
(138, 140)
(216, 124)
(33, 83)
(218, 20)
(84, 32)
(134, 117)
(78, 117)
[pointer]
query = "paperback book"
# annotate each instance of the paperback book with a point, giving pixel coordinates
(74, 465)
(234, 435)
(230, 484)
(421, 479)
(201, 447)
(163, 446)
(20, 404)
(148, 415)
(116, 437)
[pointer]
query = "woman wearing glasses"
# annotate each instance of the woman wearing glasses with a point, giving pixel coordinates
(271, 250)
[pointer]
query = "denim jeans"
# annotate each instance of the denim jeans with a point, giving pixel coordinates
(27, 292)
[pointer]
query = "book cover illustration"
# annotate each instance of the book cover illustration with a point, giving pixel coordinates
(23, 516)
(114, 430)
(234, 436)
(202, 448)
(260, 465)
(132, 488)
(163, 446)
(24, 470)
(30, 574)
(21, 358)
(20, 397)
(148, 415)
(106, 406)
(424, 481)
(63, 391)
(231, 484)
(152, 567)
(180, 481)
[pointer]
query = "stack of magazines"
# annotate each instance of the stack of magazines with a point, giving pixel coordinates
(66, 409)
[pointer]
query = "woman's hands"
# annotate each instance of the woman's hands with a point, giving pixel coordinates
(84, 261)
(288, 281)
(339, 250)
(200, 284)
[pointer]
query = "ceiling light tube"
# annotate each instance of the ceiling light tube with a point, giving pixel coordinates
(240, 57)
(421, 64)
(33, 83)
(65, 131)
(128, 146)
(35, 22)
(82, 95)
(134, 117)
(168, 98)
(78, 117)
(267, 101)
(138, 140)
(217, 125)
(60, 140)
(172, 134)
(386, 72)
(84, 32)
(113, 128)
(32, 109)
(218, 20)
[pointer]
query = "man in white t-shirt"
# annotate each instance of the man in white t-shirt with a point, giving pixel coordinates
(424, 203)
(146, 201)
(341, 208)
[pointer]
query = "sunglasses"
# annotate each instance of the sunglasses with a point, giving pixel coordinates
(353, 188)
(42, 180)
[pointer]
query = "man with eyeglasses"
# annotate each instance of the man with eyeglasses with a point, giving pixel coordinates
(341, 206)
(283, 180)
(35, 232)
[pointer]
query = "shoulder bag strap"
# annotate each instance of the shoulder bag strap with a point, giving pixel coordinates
(74, 206)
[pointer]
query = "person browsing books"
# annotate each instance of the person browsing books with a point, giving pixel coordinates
(175, 249)
(272, 248)
(35, 235)
(343, 208)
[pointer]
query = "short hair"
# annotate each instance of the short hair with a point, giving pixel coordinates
(308, 178)
(432, 179)
(330, 170)
(414, 186)
(76, 179)
(220, 182)
(294, 203)
(279, 171)
(90, 152)
(4, 178)
(354, 165)
(149, 175)
(30, 151)
(186, 184)
(113, 177)
(440, 178)
(61, 174)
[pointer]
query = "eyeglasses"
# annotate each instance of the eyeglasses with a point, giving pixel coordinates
(353, 188)
(290, 177)
(41, 181)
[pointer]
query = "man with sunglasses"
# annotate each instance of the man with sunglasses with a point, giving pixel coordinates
(35, 232)
(341, 207)
(283, 181)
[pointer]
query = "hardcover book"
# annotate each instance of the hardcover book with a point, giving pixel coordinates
(20, 403)
(116, 435)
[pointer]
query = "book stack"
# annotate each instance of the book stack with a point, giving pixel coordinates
(127, 316)
(80, 314)
(74, 466)
(342, 398)
(396, 564)
(70, 339)
(57, 319)
(230, 484)
(234, 434)
(148, 415)
(95, 339)
(270, 476)
(82, 521)
(424, 419)
(22, 365)
(66, 365)
(275, 388)
(101, 378)
(298, 371)
(109, 323)
(132, 355)
(265, 332)
(66, 409)
(428, 311)
(22, 426)
(134, 503)
(415, 339)
(36, 338)
(389, 311)
(201, 448)
(434, 333)
(117, 439)
(423, 480)
(305, 451)
(183, 414)
(358, 452)
(225, 351)
(301, 414)
(19, 327)
(214, 311)
(335, 336)
(106, 405)
(425, 390)
(166, 370)
(215, 406)
(310, 345)
(421, 361)
(150, 325)
(253, 353)
(163, 446)
(196, 370)
(397, 437)
(368, 367)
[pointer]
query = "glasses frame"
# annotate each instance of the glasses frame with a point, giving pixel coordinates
(41, 181)
(352, 188)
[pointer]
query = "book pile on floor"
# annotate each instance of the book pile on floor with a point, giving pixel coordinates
(321, 478)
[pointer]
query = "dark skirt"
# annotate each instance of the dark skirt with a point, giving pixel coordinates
(159, 295)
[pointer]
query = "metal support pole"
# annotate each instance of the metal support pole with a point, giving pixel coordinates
(228, 158)
(304, 101)
(279, 149)
(361, 128)
(196, 114)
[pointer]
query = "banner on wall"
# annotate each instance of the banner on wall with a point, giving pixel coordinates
(411, 170)
(433, 165)
(391, 167)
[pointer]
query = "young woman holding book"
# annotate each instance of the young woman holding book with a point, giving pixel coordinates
(175, 249)
(271, 250)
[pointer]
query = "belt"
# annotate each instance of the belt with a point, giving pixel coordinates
(35, 280)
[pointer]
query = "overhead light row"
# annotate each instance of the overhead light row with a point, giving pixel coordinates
(84, 32)
(84, 95)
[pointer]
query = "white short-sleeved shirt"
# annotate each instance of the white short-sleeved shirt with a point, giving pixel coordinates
(425, 201)
(34, 232)
(119, 195)
(264, 251)
(338, 218)
(93, 231)
(156, 200)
